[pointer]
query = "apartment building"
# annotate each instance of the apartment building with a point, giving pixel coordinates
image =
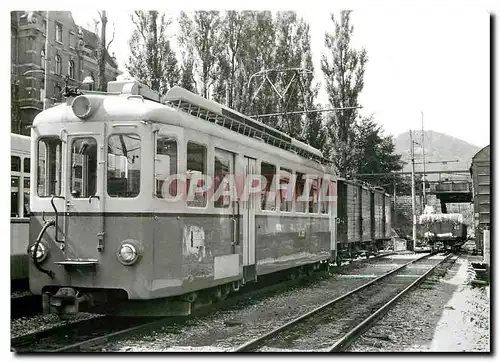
(71, 50)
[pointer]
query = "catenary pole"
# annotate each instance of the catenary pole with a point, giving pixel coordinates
(413, 201)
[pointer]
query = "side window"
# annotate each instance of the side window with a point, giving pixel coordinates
(124, 165)
(327, 191)
(15, 163)
(26, 165)
(313, 196)
(223, 166)
(268, 196)
(165, 165)
(196, 170)
(26, 199)
(14, 196)
(300, 206)
(284, 190)
(49, 166)
(83, 167)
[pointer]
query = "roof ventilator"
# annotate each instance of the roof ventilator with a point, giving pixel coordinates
(134, 89)
(213, 112)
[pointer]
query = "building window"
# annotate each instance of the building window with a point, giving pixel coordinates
(44, 27)
(42, 90)
(59, 33)
(58, 65)
(71, 69)
(42, 59)
(72, 39)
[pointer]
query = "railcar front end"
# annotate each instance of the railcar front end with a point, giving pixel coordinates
(100, 239)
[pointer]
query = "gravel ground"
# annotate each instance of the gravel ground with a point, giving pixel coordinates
(40, 322)
(225, 329)
(444, 314)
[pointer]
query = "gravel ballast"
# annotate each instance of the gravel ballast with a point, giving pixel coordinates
(228, 328)
(443, 314)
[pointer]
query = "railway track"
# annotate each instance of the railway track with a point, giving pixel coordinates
(81, 336)
(335, 324)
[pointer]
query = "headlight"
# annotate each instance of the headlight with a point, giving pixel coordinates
(129, 252)
(41, 253)
(81, 107)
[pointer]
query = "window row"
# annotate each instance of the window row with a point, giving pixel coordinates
(15, 164)
(285, 190)
(19, 201)
(58, 64)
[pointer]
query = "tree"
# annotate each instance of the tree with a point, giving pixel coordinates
(207, 44)
(257, 54)
(102, 50)
(343, 69)
(376, 154)
(152, 60)
(235, 32)
(187, 53)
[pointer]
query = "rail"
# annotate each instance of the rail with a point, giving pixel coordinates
(255, 343)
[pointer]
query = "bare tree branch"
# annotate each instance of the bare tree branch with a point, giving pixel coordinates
(112, 38)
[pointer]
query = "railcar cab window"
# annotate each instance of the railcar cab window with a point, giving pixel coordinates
(286, 183)
(196, 169)
(268, 195)
(165, 165)
(83, 167)
(223, 166)
(49, 166)
(124, 165)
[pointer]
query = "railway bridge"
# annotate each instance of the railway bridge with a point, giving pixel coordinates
(449, 186)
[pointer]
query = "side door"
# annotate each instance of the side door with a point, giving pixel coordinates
(333, 205)
(248, 212)
(84, 159)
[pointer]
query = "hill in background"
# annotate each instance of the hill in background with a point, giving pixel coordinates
(438, 147)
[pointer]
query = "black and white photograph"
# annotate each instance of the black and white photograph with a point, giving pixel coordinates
(243, 178)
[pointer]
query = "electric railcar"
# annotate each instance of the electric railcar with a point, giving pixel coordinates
(126, 209)
(19, 209)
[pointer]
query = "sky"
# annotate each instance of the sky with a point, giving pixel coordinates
(429, 63)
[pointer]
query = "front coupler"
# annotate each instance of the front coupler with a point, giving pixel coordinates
(65, 301)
